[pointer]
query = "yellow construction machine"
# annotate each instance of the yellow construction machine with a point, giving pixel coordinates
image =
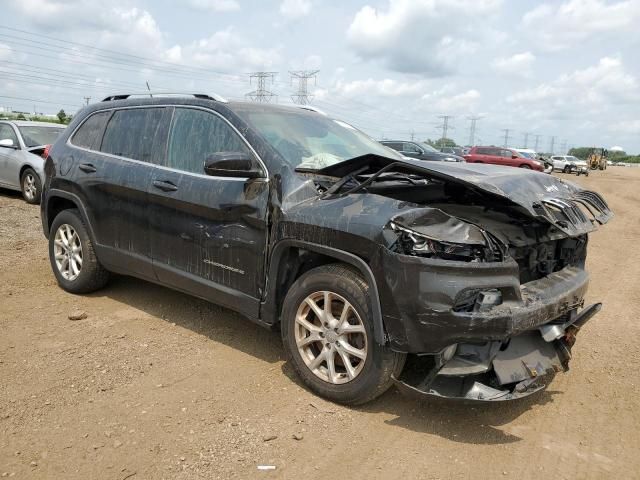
(597, 159)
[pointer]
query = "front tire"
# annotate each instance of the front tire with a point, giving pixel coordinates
(327, 331)
(72, 255)
(566, 169)
(30, 186)
(524, 165)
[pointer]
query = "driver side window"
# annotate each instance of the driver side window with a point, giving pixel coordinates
(7, 133)
(196, 134)
(410, 148)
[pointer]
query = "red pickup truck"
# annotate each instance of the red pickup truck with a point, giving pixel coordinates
(502, 156)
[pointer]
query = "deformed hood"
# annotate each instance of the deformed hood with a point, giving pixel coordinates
(542, 196)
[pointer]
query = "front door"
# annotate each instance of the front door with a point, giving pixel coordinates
(9, 158)
(208, 233)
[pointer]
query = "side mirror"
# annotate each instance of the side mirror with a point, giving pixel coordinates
(8, 143)
(514, 157)
(231, 164)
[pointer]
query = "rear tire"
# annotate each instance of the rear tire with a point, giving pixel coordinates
(320, 341)
(31, 186)
(72, 256)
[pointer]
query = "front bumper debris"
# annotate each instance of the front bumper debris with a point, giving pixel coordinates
(498, 371)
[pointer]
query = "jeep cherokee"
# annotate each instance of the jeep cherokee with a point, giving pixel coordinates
(449, 279)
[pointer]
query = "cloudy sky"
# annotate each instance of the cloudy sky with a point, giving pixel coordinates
(568, 69)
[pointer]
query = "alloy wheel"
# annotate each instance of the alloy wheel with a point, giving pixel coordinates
(29, 186)
(331, 337)
(67, 251)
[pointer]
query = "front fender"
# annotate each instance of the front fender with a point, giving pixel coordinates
(268, 310)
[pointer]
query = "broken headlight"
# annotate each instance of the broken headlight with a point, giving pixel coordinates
(411, 242)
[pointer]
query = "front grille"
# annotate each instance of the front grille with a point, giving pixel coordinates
(542, 259)
(567, 212)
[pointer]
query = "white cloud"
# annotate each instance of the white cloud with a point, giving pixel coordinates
(215, 5)
(386, 88)
(517, 64)
(5, 51)
(228, 51)
(421, 36)
(559, 26)
(603, 84)
(631, 127)
(294, 9)
(440, 101)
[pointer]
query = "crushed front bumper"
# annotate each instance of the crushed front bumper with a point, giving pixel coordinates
(425, 306)
(498, 371)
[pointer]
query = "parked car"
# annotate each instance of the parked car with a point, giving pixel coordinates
(459, 151)
(502, 156)
(22, 144)
(533, 155)
(421, 151)
(568, 164)
(449, 279)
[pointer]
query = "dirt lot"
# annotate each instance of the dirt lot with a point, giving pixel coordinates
(156, 384)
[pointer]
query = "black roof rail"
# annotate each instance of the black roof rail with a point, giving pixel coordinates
(203, 96)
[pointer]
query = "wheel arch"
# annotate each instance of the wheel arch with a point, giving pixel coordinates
(22, 170)
(284, 269)
(58, 201)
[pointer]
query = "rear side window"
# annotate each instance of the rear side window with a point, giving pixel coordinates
(89, 134)
(196, 134)
(484, 151)
(136, 133)
(394, 145)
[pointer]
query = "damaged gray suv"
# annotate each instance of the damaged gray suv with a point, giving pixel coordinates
(453, 280)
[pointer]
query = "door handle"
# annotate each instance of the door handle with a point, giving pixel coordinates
(165, 186)
(87, 167)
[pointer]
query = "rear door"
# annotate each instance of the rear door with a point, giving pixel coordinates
(112, 169)
(507, 158)
(208, 234)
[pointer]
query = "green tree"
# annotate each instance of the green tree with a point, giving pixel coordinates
(441, 142)
(21, 117)
(62, 116)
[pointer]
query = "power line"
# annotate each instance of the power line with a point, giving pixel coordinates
(39, 101)
(136, 58)
(261, 94)
(302, 96)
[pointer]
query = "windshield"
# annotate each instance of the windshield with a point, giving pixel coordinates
(573, 159)
(309, 140)
(528, 155)
(429, 148)
(34, 136)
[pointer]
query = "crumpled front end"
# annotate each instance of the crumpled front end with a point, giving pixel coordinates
(487, 301)
(497, 370)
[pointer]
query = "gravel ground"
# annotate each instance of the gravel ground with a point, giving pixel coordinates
(156, 384)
